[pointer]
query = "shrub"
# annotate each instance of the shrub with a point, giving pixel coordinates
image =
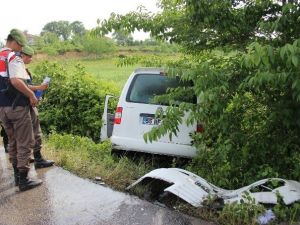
(98, 45)
(74, 102)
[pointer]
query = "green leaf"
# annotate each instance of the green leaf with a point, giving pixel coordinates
(265, 60)
(295, 60)
(256, 60)
(295, 83)
(291, 48)
(271, 54)
(282, 52)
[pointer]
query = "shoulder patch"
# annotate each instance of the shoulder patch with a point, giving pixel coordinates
(11, 56)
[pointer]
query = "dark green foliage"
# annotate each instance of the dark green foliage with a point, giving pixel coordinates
(249, 105)
(212, 23)
(62, 29)
(74, 102)
(78, 28)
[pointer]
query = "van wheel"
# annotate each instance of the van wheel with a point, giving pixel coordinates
(118, 153)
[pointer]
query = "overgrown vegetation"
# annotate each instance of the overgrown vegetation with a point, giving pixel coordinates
(74, 102)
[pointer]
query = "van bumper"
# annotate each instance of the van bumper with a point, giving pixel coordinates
(129, 144)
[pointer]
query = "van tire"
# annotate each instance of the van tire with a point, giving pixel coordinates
(118, 153)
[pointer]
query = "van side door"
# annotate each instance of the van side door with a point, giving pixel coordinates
(107, 119)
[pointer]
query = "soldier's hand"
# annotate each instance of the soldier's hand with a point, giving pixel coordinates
(33, 101)
(43, 87)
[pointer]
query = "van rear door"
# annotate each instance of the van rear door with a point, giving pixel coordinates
(140, 110)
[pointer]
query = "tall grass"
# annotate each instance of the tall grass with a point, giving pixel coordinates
(85, 158)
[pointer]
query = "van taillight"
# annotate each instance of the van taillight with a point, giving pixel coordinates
(200, 128)
(118, 115)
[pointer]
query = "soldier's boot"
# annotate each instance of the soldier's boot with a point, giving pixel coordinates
(6, 148)
(16, 175)
(26, 183)
(31, 159)
(40, 162)
(5, 143)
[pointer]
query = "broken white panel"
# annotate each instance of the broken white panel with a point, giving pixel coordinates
(289, 191)
(194, 189)
(186, 185)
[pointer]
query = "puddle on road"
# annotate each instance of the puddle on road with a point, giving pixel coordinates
(74, 199)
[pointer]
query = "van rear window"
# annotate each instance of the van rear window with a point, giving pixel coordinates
(145, 87)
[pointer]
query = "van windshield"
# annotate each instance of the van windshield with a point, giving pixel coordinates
(145, 87)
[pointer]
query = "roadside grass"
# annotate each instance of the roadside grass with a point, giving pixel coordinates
(87, 159)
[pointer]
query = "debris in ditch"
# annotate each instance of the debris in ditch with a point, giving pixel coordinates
(197, 191)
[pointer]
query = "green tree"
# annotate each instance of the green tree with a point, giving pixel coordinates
(49, 38)
(61, 28)
(206, 24)
(122, 38)
(78, 28)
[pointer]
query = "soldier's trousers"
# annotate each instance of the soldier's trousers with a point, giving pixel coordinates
(18, 126)
(37, 131)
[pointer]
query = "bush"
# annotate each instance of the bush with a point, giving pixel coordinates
(50, 44)
(98, 45)
(74, 102)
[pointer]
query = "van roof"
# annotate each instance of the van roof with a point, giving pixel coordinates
(149, 70)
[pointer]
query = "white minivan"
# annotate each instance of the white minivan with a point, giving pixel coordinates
(135, 115)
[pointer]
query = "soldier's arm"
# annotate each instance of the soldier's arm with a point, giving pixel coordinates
(38, 87)
(22, 87)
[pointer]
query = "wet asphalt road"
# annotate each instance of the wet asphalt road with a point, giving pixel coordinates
(65, 199)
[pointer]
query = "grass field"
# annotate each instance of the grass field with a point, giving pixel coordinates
(104, 68)
(107, 69)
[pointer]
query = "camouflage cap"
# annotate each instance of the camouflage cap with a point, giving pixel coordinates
(28, 50)
(18, 36)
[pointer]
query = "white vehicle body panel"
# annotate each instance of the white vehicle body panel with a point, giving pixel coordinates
(195, 190)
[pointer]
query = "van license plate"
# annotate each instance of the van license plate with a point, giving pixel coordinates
(151, 121)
